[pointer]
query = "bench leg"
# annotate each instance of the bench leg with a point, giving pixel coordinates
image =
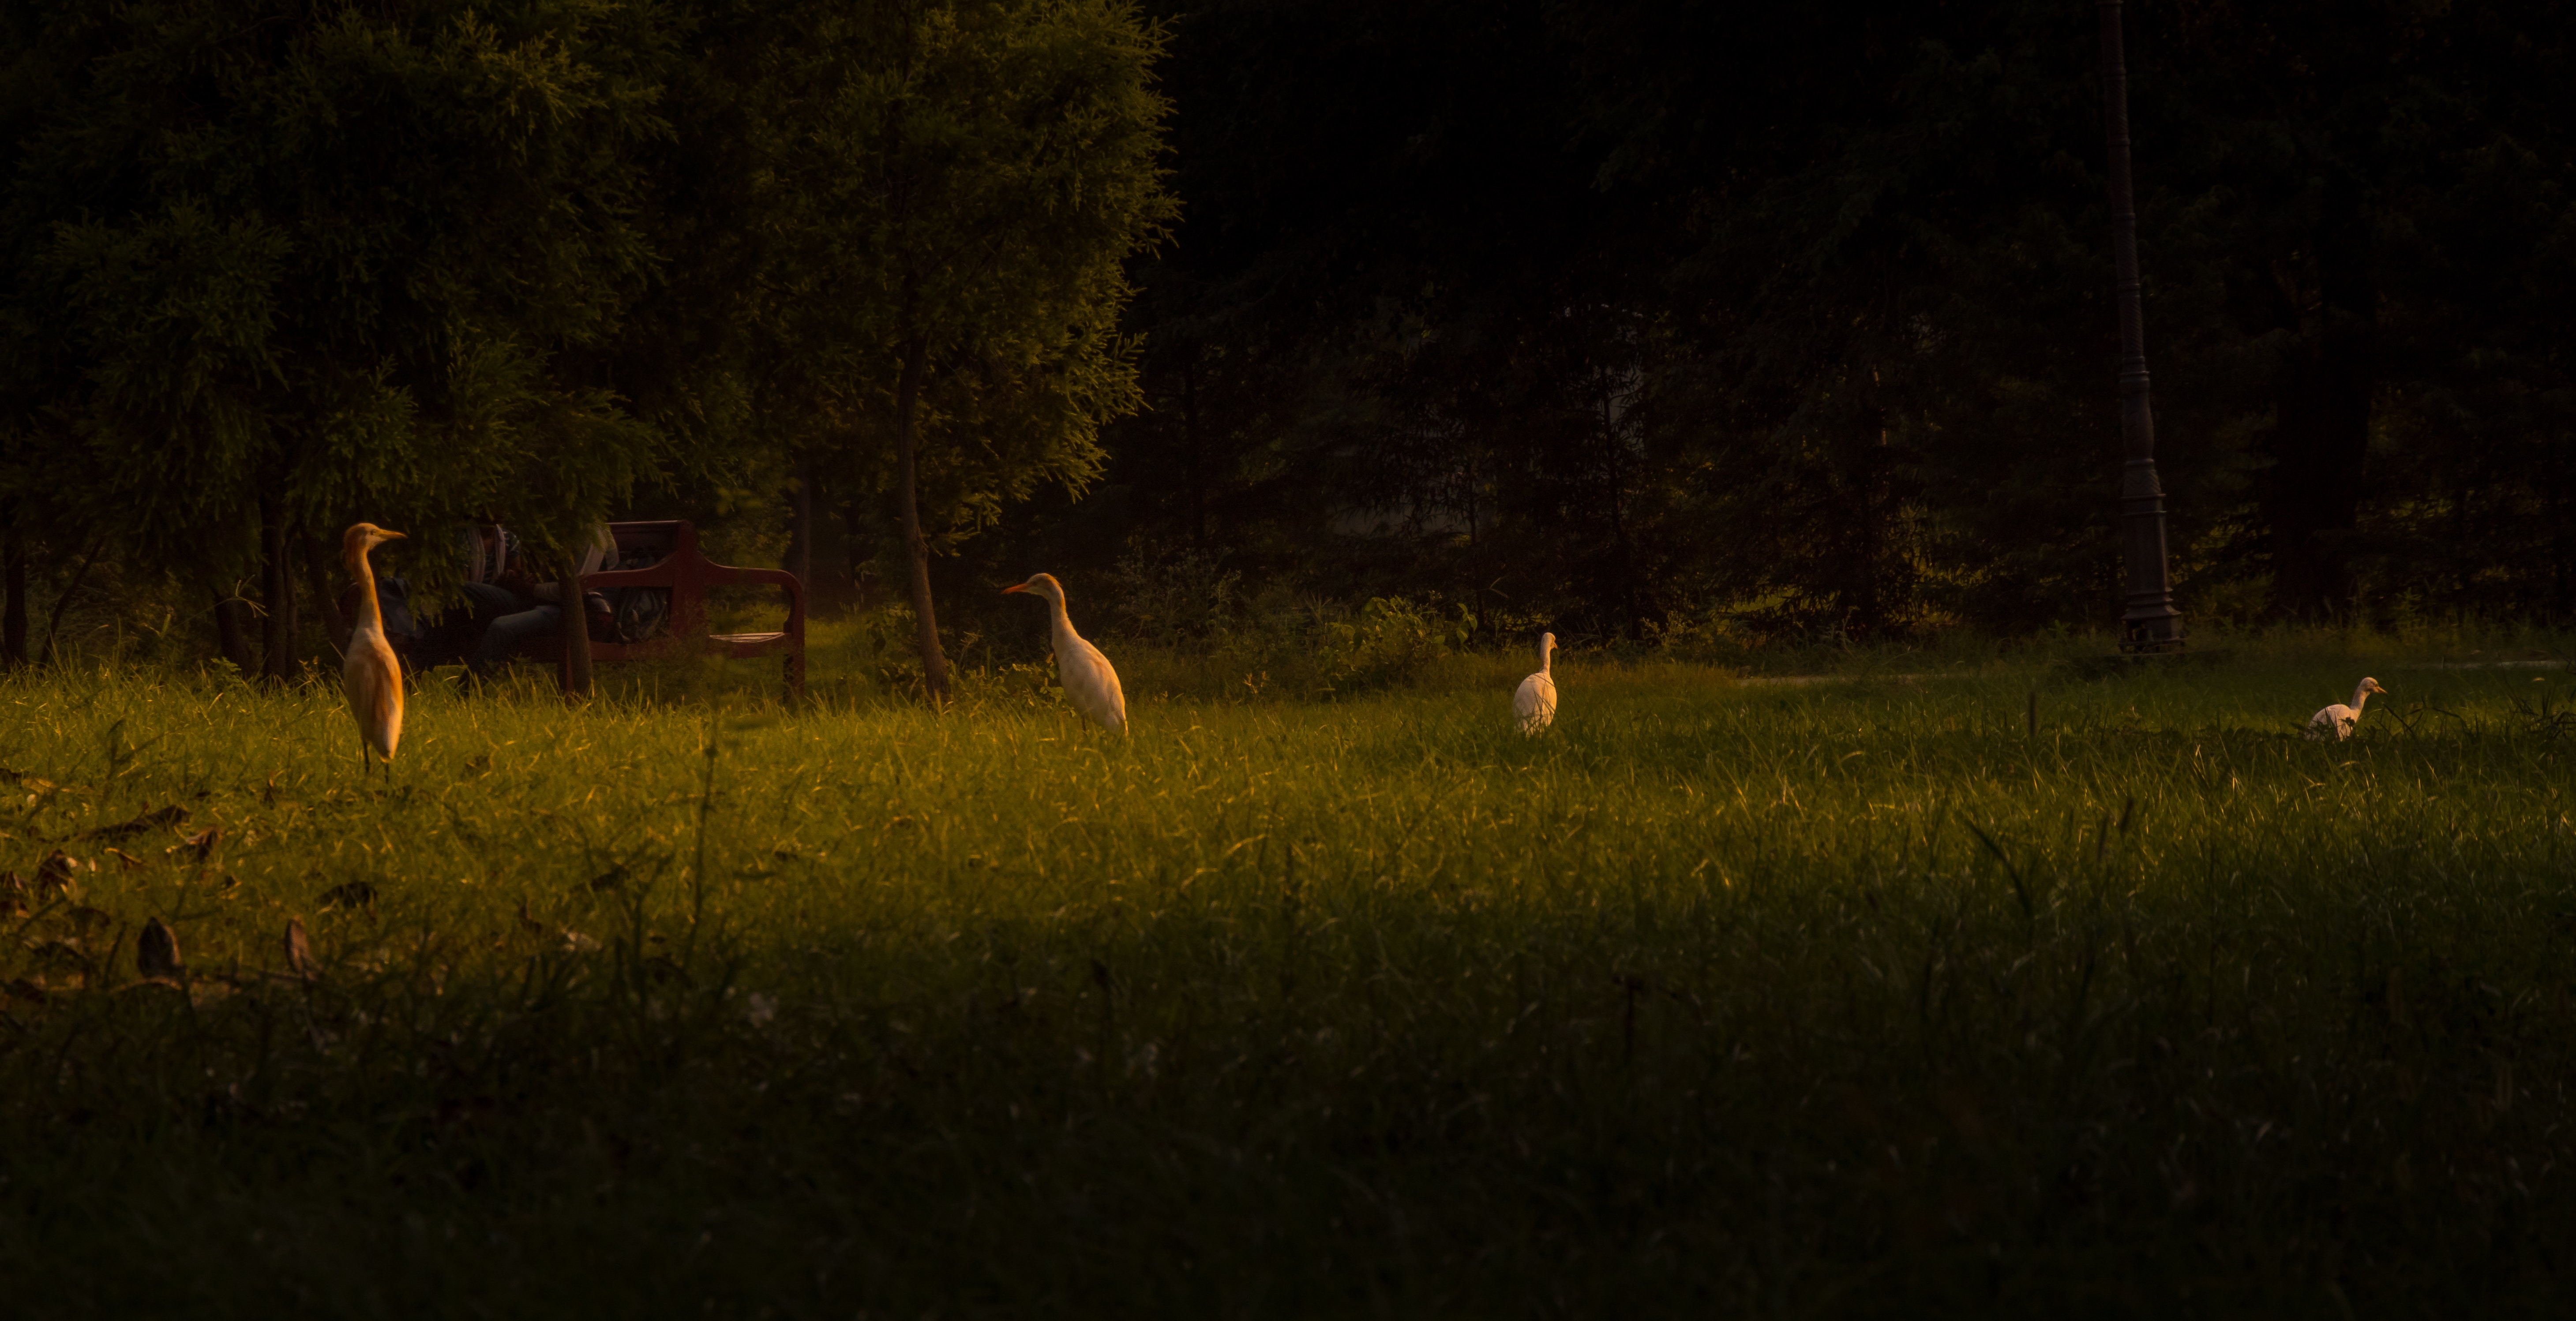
(796, 673)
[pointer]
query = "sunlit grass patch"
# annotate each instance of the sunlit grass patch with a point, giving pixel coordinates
(2007, 990)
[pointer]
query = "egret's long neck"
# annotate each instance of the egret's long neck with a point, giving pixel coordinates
(1547, 660)
(1062, 622)
(371, 617)
(2359, 696)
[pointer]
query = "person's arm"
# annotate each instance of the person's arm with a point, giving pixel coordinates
(603, 550)
(600, 554)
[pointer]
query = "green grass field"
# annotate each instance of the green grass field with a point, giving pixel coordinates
(1874, 998)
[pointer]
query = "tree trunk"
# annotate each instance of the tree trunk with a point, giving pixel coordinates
(1867, 611)
(2322, 429)
(1190, 436)
(1475, 549)
(862, 526)
(276, 590)
(1873, 590)
(1633, 619)
(232, 631)
(916, 548)
(800, 536)
(63, 599)
(2562, 548)
(575, 632)
(325, 600)
(13, 614)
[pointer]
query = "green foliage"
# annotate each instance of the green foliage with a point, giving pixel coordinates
(1387, 641)
(1208, 638)
(968, 177)
(1182, 629)
(327, 256)
(1173, 598)
(449, 262)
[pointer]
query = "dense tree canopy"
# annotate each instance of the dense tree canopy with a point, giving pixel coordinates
(1644, 315)
(274, 264)
(1642, 318)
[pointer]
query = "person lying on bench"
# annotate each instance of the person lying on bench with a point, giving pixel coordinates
(533, 609)
(484, 551)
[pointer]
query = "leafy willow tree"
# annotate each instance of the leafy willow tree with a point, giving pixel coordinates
(968, 180)
(278, 265)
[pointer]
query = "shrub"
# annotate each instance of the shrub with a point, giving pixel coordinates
(1391, 641)
(1174, 598)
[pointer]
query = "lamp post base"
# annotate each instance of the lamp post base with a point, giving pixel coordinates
(2153, 633)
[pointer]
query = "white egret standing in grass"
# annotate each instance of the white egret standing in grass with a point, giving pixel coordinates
(1535, 704)
(369, 674)
(1088, 680)
(2337, 721)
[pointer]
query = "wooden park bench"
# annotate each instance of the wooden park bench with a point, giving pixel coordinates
(681, 569)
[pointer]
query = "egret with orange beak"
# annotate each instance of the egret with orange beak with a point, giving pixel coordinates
(2338, 721)
(1088, 680)
(369, 674)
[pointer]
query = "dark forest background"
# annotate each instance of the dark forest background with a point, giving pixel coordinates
(1620, 312)
(1648, 320)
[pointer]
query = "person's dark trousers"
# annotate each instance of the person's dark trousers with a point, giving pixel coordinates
(509, 634)
(454, 636)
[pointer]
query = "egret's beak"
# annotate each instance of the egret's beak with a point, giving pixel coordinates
(1015, 587)
(383, 534)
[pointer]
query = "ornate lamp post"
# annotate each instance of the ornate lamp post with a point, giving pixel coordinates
(2150, 623)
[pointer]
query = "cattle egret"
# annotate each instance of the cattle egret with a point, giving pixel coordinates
(1535, 704)
(1088, 681)
(2337, 721)
(370, 674)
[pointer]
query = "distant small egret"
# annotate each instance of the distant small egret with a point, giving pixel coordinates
(370, 675)
(2337, 721)
(1535, 704)
(1088, 680)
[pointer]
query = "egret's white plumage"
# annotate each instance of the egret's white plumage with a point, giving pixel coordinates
(2337, 721)
(1534, 706)
(369, 674)
(1089, 682)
